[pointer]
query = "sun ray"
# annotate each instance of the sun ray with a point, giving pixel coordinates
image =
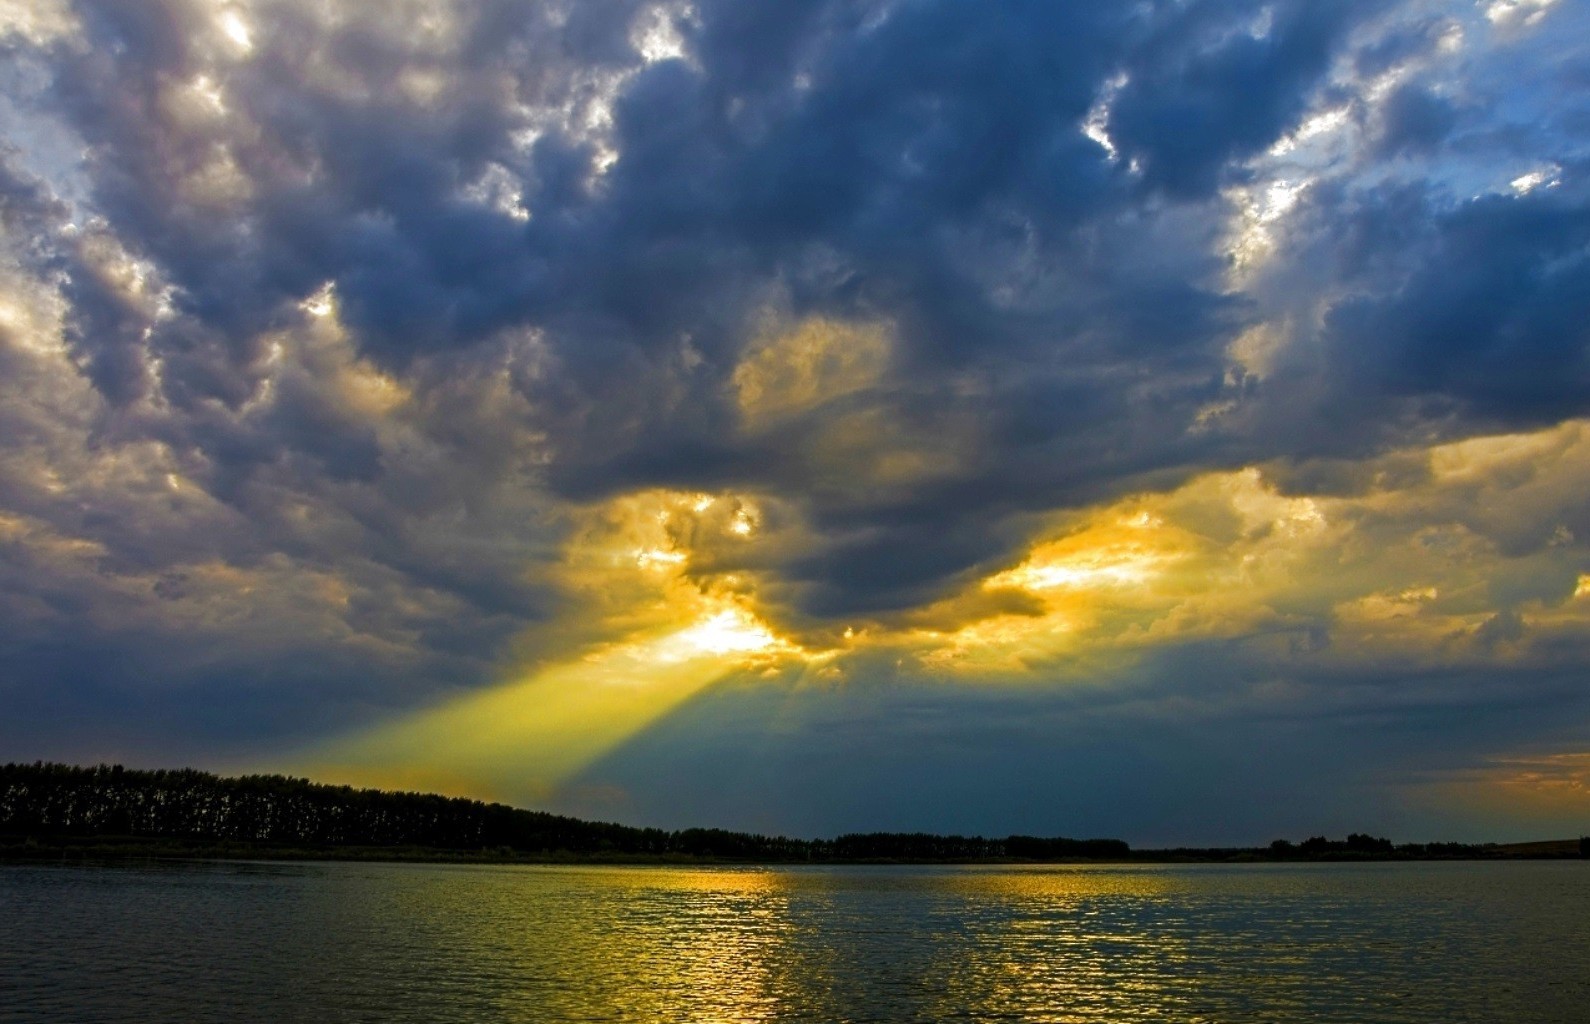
(522, 739)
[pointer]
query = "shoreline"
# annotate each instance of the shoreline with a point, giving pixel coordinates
(57, 850)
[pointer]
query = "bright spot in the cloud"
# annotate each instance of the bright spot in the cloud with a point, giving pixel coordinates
(1321, 123)
(743, 524)
(1314, 127)
(1583, 587)
(1520, 12)
(1076, 565)
(1305, 512)
(205, 88)
(731, 631)
(1280, 197)
(236, 29)
(1259, 210)
(1081, 571)
(651, 558)
(1546, 177)
(321, 303)
(1096, 125)
(499, 189)
(658, 37)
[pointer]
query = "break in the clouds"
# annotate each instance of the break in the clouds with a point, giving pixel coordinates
(1156, 419)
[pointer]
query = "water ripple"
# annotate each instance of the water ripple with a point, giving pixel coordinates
(236, 943)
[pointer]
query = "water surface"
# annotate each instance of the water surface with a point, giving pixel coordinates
(323, 943)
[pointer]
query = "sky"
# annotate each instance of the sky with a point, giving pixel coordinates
(1163, 420)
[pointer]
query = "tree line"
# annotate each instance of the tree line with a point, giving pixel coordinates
(52, 802)
(109, 807)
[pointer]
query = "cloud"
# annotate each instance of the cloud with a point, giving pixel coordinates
(916, 165)
(807, 369)
(1414, 120)
(1217, 83)
(369, 357)
(1487, 317)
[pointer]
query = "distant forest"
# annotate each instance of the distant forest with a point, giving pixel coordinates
(109, 809)
(50, 803)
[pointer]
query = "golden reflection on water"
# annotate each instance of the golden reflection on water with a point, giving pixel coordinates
(717, 951)
(1047, 945)
(616, 944)
(405, 944)
(758, 945)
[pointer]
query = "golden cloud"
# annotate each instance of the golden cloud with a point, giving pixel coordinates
(788, 374)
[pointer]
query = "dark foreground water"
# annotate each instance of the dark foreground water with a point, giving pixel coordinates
(325, 943)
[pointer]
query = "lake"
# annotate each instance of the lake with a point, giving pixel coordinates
(337, 942)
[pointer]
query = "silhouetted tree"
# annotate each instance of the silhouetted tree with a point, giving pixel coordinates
(1360, 843)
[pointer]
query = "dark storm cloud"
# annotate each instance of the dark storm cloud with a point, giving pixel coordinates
(358, 188)
(1492, 318)
(1216, 83)
(1414, 120)
(205, 539)
(1431, 281)
(933, 156)
(549, 258)
(899, 139)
